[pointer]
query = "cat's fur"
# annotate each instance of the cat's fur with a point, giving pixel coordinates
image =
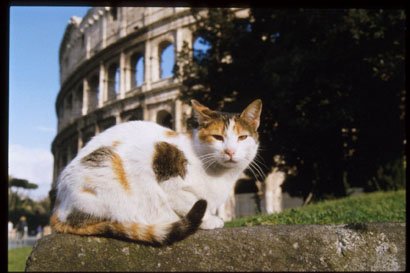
(145, 182)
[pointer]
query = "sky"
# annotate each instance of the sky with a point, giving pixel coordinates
(35, 36)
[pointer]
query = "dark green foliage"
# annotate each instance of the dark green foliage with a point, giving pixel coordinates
(332, 85)
(36, 212)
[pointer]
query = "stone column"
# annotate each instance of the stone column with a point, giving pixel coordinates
(123, 21)
(273, 191)
(118, 118)
(147, 66)
(80, 140)
(87, 46)
(86, 95)
(104, 28)
(178, 116)
(102, 96)
(123, 75)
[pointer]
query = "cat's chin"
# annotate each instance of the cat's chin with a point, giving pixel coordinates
(229, 164)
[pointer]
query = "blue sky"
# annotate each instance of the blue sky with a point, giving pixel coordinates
(35, 36)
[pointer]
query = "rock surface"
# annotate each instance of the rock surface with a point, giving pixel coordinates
(360, 247)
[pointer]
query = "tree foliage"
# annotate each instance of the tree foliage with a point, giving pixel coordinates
(332, 84)
(36, 212)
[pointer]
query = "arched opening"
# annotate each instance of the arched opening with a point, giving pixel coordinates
(113, 81)
(137, 70)
(200, 49)
(106, 123)
(135, 114)
(165, 119)
(167, 60)
(93, 92)
(78, 101)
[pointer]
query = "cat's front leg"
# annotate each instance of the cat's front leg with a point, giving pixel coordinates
(211, 221)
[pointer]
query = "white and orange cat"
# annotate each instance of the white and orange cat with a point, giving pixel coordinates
(144, 182)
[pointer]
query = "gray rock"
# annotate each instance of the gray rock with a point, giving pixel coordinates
(360, 247)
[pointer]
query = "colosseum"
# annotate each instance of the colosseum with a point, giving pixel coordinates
(113, 70)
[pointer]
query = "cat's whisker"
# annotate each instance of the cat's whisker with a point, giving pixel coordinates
(261, 163)
(257, 169)
(254, 175)
(256, 163)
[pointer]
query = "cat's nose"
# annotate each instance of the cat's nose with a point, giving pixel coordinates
(229, 152)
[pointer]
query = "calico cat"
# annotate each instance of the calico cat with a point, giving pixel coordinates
(144, 182)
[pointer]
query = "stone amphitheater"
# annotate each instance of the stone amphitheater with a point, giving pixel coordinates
(112, 71)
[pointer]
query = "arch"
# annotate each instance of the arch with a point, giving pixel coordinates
(166, 60)
(200, 48)
(93, 91)
(106, 123)
(113, 80)
(137, 70)
(78, 100)
(165, 118)
(135, 114)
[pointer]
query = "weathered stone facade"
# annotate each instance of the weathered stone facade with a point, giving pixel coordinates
(101, 56)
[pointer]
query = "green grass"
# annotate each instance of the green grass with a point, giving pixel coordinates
(364, 208)
(17, 258)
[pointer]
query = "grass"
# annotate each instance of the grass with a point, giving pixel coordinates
(364, 208)
(17, 258)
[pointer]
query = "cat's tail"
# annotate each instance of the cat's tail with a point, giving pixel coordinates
(162, 234)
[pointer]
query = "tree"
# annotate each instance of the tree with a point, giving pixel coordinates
(19, 206)
(322, 75)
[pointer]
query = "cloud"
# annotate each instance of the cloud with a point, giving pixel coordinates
(33, 164)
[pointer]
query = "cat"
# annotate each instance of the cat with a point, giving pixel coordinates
(143, 182)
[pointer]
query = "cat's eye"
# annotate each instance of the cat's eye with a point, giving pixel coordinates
(218, 137)
(243, 137)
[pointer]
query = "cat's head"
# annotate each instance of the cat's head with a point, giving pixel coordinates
(227, 139)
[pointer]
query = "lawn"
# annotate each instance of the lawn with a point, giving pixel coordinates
(17, 258)
(368, 207)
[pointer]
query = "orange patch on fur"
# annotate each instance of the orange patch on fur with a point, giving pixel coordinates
(89, 190)
(119, 171)
(116, 143)
(214, 128)
(87, 180)
(150, 232)
(171, 133)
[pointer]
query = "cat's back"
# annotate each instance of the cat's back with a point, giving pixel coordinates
(132, 133)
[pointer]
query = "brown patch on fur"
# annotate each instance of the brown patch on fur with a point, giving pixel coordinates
(215, 127)
(119, 171)
(98, 158)
(89, 190)
(168, 161)
(242, 127)
(101, 157)
(171, 133)
(115, 143)
(78, 218)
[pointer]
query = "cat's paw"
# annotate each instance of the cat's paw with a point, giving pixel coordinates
(212, 222)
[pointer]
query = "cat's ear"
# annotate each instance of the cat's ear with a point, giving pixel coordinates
(202, 112)
(252, 113)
